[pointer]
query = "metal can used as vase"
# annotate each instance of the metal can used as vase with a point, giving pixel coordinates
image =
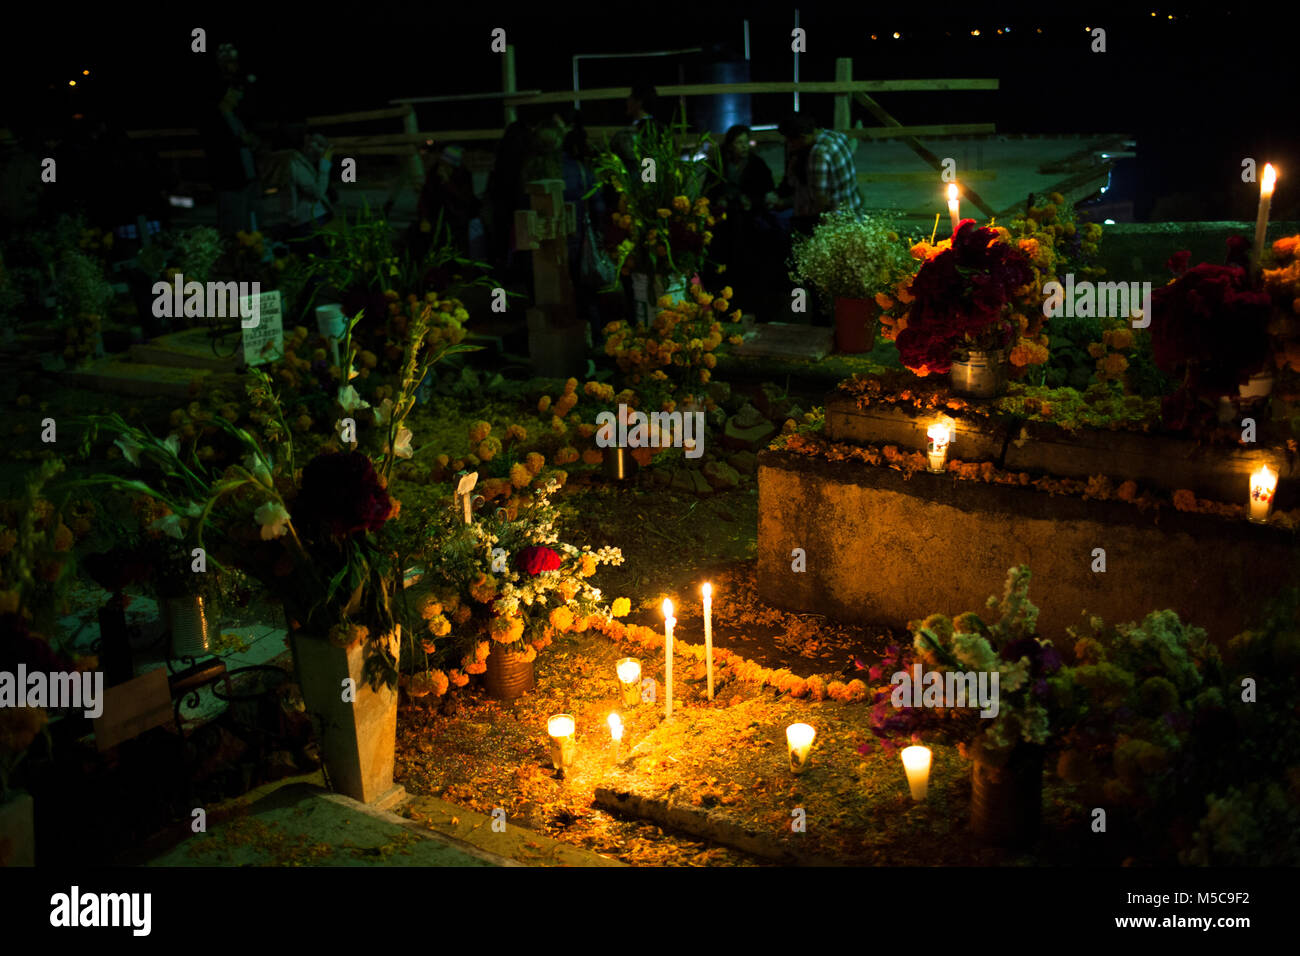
(194, 625)
(1006, 801)
(980, 375)
(508, 675)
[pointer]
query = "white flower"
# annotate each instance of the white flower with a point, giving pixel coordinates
(273, 519)
(170, 526)
(350, 400)
(257, 467)
(403, 447)
(130, 449)
(383, 413)
(173, 444)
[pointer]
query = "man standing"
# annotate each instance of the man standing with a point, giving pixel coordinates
(830, 174)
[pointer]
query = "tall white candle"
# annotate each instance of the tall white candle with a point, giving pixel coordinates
(708, 634)
(1265, 200)
(954, 206)
(669, 621)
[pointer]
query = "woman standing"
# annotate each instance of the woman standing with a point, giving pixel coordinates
(746, 192)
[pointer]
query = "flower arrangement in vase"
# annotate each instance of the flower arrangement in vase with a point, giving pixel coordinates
(663, 221)
(963, 300)
(1209, 332)
(503, 586)
(851, 259)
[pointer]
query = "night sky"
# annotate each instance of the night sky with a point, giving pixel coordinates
(1200, 91)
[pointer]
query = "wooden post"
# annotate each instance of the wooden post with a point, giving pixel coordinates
(843, 74)
(411, 126)
(508, 82)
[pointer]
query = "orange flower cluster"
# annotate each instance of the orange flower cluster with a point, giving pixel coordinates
(1283, 284)
(736, 667)
(683, 335)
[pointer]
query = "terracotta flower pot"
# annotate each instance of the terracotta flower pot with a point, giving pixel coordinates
(358, 737)
(979, 375)
(855, 324)
(508, 675)
(1006, 801)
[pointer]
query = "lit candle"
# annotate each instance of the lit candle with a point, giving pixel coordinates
(800, 738)
(916, 761)
(1263, 484)
(669, 621)
(563, 746)
(1261, 218)
(937, 446)
(616, 727)
(954, 207)
(708, 634)
(629, 677)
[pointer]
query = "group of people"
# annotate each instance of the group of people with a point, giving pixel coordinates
(763, 215)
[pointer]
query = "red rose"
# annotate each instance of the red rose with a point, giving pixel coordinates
(537, 558)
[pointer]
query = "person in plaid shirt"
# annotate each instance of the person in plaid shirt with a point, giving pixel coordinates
(832, 177)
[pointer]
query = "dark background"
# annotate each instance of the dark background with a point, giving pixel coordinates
(1199, 91)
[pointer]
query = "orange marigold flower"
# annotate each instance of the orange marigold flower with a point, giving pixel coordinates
(587, 564)
(1184, 500)
(507, 630)
(1127, 491)
(544, 404)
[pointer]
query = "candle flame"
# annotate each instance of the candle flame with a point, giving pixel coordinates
(938, 432)
(1265, 478)
(628, 671)
(616, 726)
(916, 760)
(1270, 178)
(561, 725)
(800, 735)
(708, 590)
(668, 609)
(952, 192)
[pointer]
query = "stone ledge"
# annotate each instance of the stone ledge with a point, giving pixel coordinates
(884, 549)
(1220, 473)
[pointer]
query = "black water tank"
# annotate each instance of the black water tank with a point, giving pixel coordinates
(717, 113)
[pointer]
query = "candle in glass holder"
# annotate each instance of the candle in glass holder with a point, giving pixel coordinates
(937, 446)
(954, 207)
(669, 621)
(1266, 185)
(800, 738)
(916, 762)
(563, 745)
(1263, 484)
(616, 727)
(629, 678)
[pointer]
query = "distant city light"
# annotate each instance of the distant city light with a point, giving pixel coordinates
(184, 202)
(873, 36)
(72, 82)
(85, 73)
(1108, 222)
(897, 34)
(974, 33)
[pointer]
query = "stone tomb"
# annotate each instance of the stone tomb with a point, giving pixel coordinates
(885, 549)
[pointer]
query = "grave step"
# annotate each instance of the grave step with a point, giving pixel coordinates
(786, 340)
(121, 377)
(190, 348)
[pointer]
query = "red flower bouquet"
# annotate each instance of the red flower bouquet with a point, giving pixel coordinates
(962, 300)
(1209, 328)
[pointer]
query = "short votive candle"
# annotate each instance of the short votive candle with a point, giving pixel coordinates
(916, 762)
(936, 447)
(629, 678)
(800, 739)
(563, 745)
(616, 727)
(1263, 485)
